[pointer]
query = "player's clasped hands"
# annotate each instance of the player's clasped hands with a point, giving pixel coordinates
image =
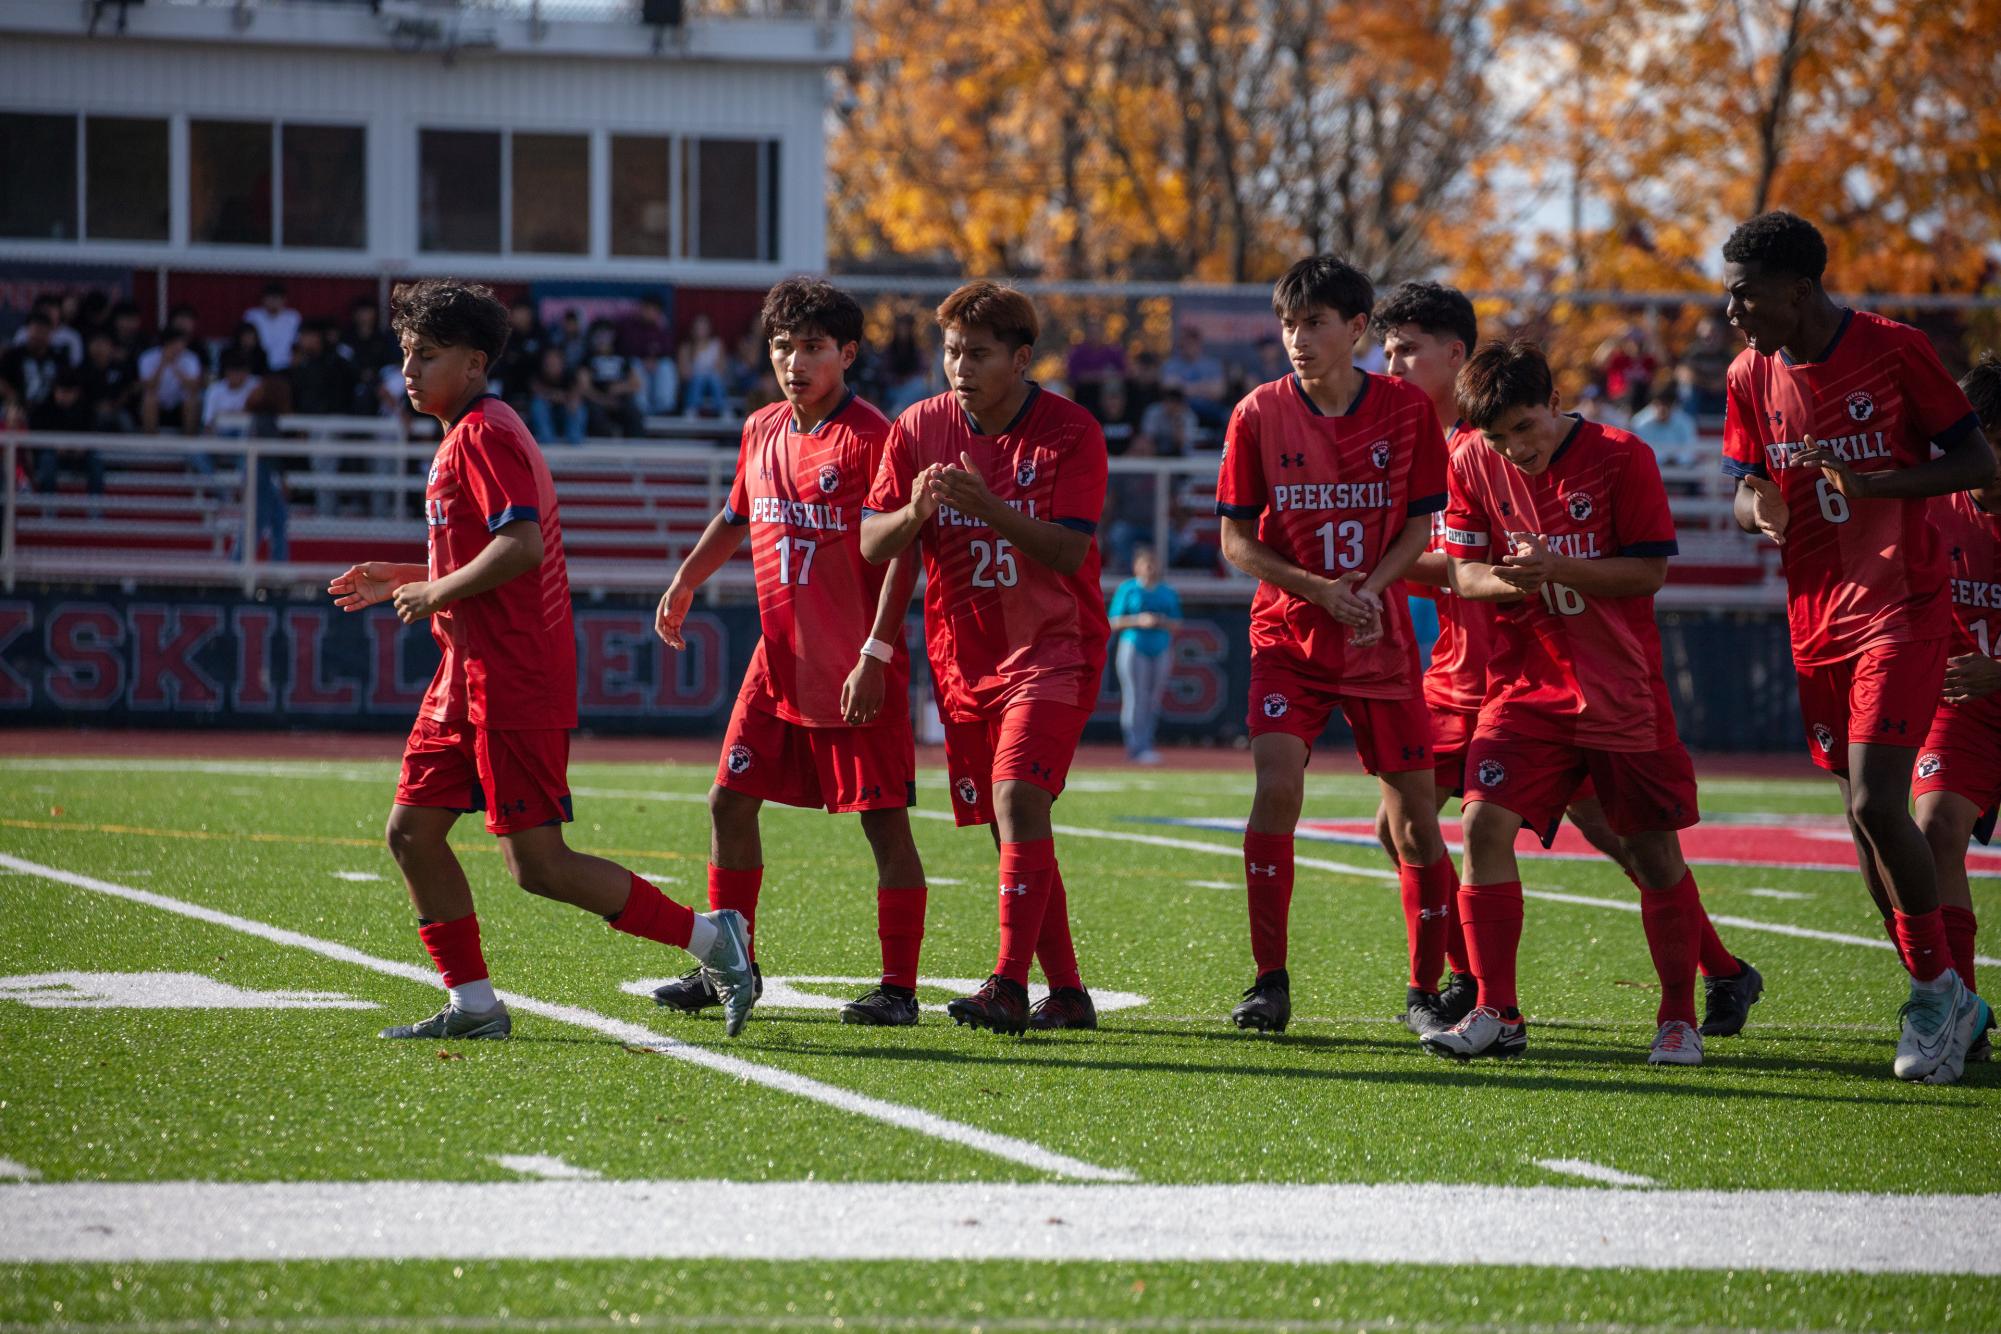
(1971, 675)
(1812, 453)
(1529, 563)
(963, 488)
(1354, 606)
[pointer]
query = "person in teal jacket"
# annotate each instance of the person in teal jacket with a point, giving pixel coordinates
(1144, 613)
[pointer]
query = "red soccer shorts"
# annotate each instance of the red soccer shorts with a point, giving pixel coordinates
(871, 768)
(1643, 791)
(520, 779)
(1961, 755)
(1451, 733)
(1884, 695)
(1391, 735)
(1031, 742)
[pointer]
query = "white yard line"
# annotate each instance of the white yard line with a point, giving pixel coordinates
(638, 1035)
(545, 1167)
(13, 1171)
(1578, 1167)
(1557, 1226)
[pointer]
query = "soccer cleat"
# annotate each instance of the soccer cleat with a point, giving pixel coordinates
(728, 969)
(1677, 1043)
(1457, 1000)
(1481, 1033)
(1267, 1006)
(1420, 1012)
(454, 1023)
(885, 1007)
(1930, 1020)
(1065, 1007)
(1727, 1001)
(691, 993)
(1970, 1026)
(1000, 1004)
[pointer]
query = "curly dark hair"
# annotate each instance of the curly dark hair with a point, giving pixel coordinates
(1323, 280)
(1441, 311)
(1003, 311)
(1779, 242)
(1502, 376)
(803, 304)
(450, 313)
(1983, 388)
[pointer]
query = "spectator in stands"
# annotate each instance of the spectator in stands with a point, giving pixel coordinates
(170, 383)
(185, 318)
(702, 369)
(28, 368)
(110, 383)
(230, 394)
(1129, 506)
(1092, 361)
(569, 335)
(1198, 374)
(1626, 366)
(277, 326)
(1594, 405)
(649, 341)
(249, 344)
(611, 386)
(516, 367)
(1272, 363)
(1144, 614)
(321, 380)
(1115, 414)
(65, 409)
(128, 330)
(761, 394)
(1143, 384)
(373, 352)
(748, 361)
(906, 365)
(92, 312)
(555, 401)
(235, 393)
(1663, 424)
(1170, 426)
(1707, 361)
(66, 339)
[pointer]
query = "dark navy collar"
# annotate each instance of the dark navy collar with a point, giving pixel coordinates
(1576, 429)
(792, 425)
(1847, 314)
(1299, 387)
(471, 403)
(1020, 416)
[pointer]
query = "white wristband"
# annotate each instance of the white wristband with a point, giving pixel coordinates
(877, 649)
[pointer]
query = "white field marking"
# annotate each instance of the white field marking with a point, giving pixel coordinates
(13, 1171)
(1216, 884)
(658, 877)
(1764, 893)
(1568, 1227)
(347, 773)
(790, 993)
(160, 991)
(944, 880)
(545, 1167)
(913, 1119)
(1578, 1167)
(356, 875)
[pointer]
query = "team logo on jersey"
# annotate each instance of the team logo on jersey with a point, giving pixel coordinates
(1930, 763)
(432, 480)
(830, 480)
(1275, 705)
(1024, 473)
(1379, 454)
(1823, 737)
(1860, 406)
(738, 759)
(1580, 506)
(967, 792)
(1491, 774)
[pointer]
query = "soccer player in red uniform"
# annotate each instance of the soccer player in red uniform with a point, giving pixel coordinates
(813, 726)
(1326, 490)
(1002, 484)
(1958, 777)
(1429, 331)
(1831, 419)
(1563, 525)
(493, 733)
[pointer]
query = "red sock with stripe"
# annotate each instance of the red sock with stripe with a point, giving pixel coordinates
(651, 915)
(899, 925)
(1268, 885)
(1492, 915)
(737, 890)
(1960, 928)
(1025, 872)
(1922, 936)
(1674, 938)
(1054, 949)
(1427, 893)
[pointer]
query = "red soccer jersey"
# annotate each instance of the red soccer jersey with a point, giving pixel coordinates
(1330, 494)
(510, 654)
(1457, 677)
(801, 493)
(1583, 670)
(1972, 541)
(1858, 573)
(1001, 628)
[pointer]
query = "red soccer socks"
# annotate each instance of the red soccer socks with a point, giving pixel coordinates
(1054, 949)
(1427, 893)
(1268, 883)
(454, 948)
(1673, 919)
(651, 915)
(1492, 917)
(1921, 940)
(1960, 928)
(738, 890)
(1026, 872)
(899, 925)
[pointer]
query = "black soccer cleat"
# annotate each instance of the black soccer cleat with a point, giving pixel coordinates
(1000, 1004)
(1727, 1001)
(1267, 1006)
(1065, 1007)
(1461, 994)
(1420, 1012)
(885, 1007)
(691, 993)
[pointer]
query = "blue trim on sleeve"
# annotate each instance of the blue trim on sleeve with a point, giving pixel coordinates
(1426, 505)
(512, 514)
(1084, 526)
(1239, 511)
(868, 513)
(1738, 468)
(735, 520)
(1667, 548)
(1958, 431)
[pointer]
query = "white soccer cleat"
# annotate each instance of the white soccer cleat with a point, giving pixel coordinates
(1936, 1013)
(1481, 1033)
(728, 971)
(1677, 1043)
(1969, 1027)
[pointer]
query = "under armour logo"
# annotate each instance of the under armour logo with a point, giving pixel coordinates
(1776, 418)
(1956, 553)
(1413, 752)
(1292, 460)
(1506, 508)
(871, 793)
(514, 807)
(1015, 889)
(1432, 914)
(1270, 868)
(1040, 770)
(1900, 726)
